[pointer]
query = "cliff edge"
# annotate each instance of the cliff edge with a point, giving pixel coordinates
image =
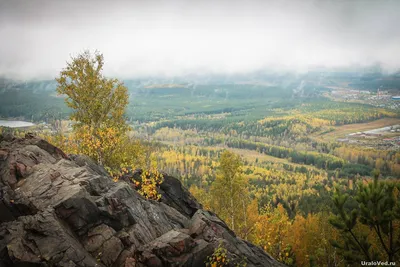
(59, 210)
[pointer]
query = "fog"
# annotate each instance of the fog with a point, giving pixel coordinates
(141, 38)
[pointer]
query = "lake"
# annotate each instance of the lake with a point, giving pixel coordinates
(16, 124)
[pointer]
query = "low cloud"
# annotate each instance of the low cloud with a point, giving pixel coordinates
(141, 38)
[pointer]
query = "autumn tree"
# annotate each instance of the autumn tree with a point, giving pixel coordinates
(372, 231)
(100, 130)
(228, 191)
(271, 232)
(201, 195)
(98, 104)
(309, 237)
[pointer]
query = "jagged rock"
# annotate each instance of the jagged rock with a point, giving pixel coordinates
(59, 210)
(175, 195)
(172, 192)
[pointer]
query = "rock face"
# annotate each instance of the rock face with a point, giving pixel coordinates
(57, 210)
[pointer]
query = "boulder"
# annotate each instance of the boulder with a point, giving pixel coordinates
(59, 210)
(175, 195)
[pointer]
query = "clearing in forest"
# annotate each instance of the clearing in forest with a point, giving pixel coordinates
(343, 130)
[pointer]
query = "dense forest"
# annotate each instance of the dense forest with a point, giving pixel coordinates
(263, 155)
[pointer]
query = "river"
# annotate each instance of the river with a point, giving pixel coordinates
(16, 124)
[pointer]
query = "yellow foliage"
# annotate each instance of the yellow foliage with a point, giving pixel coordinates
(100, 130)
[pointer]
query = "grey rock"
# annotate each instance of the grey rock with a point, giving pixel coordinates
(59, 210)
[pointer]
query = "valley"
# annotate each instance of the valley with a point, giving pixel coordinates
(200, 133)
(296, 145)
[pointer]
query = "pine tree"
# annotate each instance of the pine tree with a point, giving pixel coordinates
(378, 209)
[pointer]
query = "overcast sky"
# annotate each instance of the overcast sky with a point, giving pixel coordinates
(176, 37)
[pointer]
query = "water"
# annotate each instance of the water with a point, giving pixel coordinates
(16, 124)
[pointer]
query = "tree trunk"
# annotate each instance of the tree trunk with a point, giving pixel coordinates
(232, 207)
(245, 220)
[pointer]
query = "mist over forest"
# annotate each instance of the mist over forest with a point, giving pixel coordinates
(201, 133)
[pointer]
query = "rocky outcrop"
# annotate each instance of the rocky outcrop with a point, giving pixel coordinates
(59, 210)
